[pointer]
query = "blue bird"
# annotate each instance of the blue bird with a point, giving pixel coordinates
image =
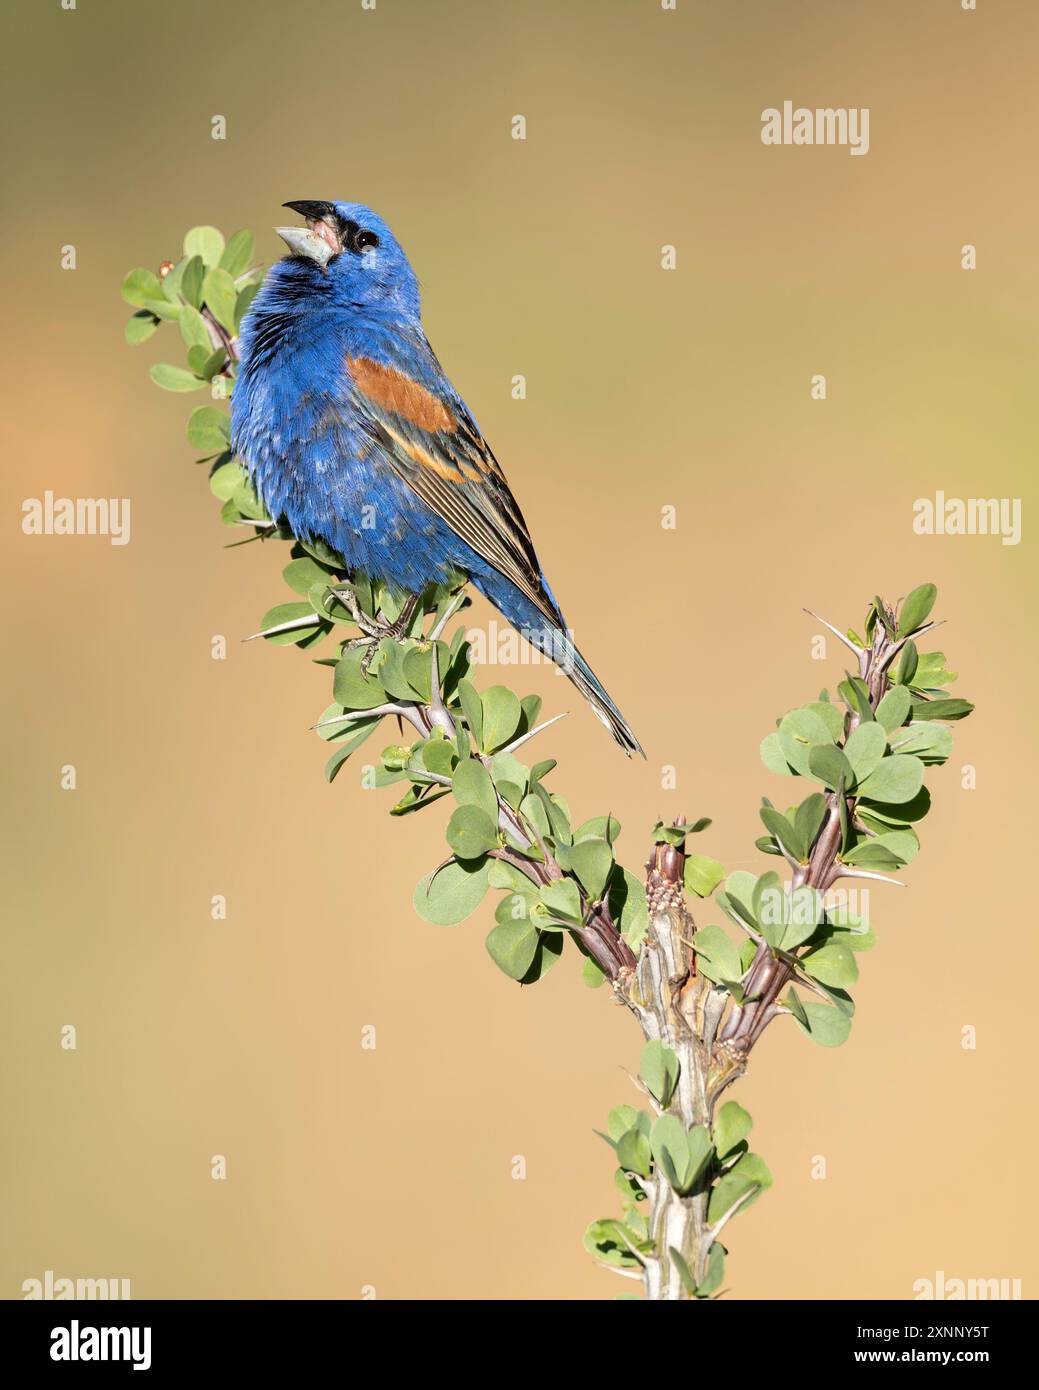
(353, 435)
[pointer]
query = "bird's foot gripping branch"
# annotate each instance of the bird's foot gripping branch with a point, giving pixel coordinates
(703, 993)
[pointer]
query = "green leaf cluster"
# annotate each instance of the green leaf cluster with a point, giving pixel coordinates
(711, 1163)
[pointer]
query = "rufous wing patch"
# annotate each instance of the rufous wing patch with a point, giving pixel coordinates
(393, 391)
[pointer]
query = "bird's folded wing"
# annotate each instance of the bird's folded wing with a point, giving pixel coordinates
(433, 444)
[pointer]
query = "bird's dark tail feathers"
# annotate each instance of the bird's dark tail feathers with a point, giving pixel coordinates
(555, 642)
(563, 652)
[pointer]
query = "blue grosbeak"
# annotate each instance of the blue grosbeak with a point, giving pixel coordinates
(354, 435)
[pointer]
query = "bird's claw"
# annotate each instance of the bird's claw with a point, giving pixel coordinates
(375, 630)
(372, 643)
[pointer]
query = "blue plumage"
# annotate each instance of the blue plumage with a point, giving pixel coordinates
(354, 435)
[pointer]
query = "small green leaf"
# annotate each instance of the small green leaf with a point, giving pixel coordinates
(778, 825)
(439, 755)
(562, 899)
(682, 1155)
(866, 745)
(550, 948)
(209, 429)
(701, 875)
(628, 905)
(301, 575)
(793, 1001)
(890, 850)
(803, 912)
(191, 281)
(905, 667)
(333, 724)
(731, 1126)
(558, 815)
(826, 1026)
(471, 832)
(892, 817)
(684, 1272)
(163, 309)
(505, 769)
(352, 689)
(610, 1242)
(237, 253)
(417, 667)
(743, 1183)
(893, 708)
(929, 741)
(809, 817)
(832, 964)
(472, 709)
(506, 876)
(620, 1119)
(718, 955)
(473, 787)
(659, 1068)
(715, 1272)
(140, 328)
(513, 947)
(501, 717)
(831, 716)
(931, 671)
(941, 709)
(855, 694)
(532, 809)
(284, 613)
(768, 905)
(829, 765)
(592, 862)
(360, 731)
(172, 378)
(206, 242)
(389, 666)
(773, 757)
(916, 609)
(634, 1153)
(172, 279)
(219, 294)
(141, 287)
(452, 893)
(739, 890)
(194, 331)
(591, 975)
(801, 731)
(897, 778)
(606, 828)
(225, 480)
(212, 365)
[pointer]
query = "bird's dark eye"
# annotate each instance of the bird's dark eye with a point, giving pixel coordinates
(365, 239)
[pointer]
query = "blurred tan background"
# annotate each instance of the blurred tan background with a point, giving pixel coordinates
(392, 1168)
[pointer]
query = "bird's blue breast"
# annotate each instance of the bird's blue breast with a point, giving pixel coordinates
(314, 462)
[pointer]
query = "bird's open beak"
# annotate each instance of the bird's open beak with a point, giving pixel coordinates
(319, 240)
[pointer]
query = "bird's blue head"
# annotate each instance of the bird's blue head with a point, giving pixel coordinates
(347, 254)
